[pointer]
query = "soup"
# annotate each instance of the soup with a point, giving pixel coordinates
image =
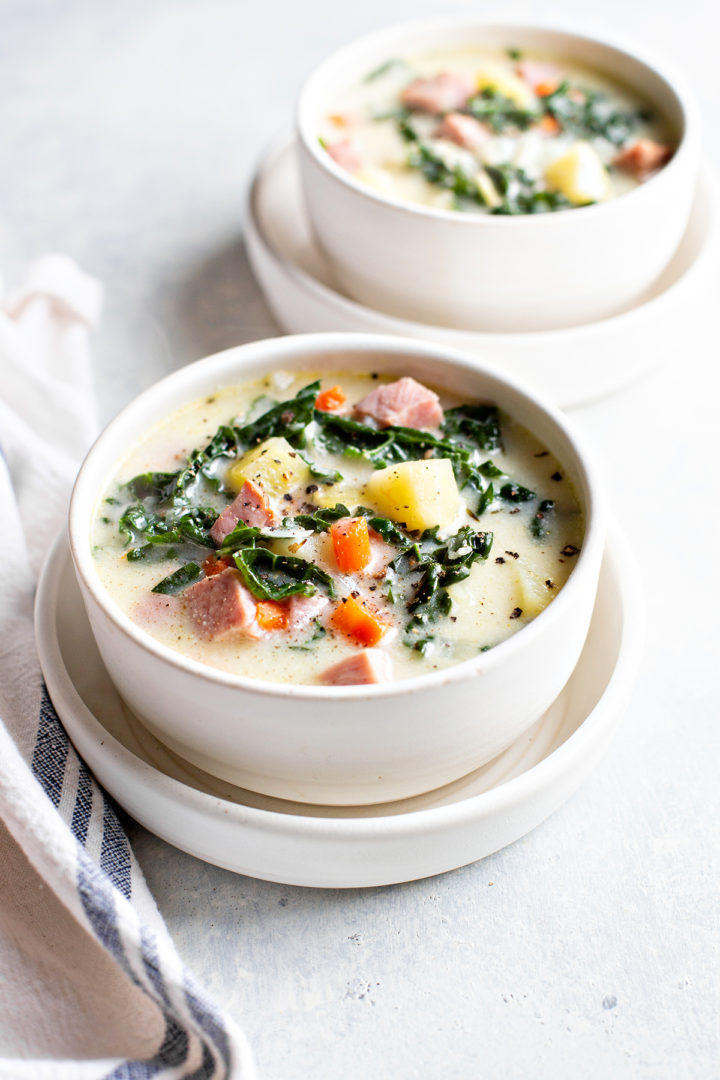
(344, 529)
(487, 131)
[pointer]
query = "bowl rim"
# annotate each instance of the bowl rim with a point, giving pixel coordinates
(271, 352)
(674, 82)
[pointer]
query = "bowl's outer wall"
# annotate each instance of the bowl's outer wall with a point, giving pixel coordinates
(315, 744)
(482, 272)
(360, 750)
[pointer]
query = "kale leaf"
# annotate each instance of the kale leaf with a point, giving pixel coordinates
(440, 563)
(179, 580)
(541, 521)
(275, 577)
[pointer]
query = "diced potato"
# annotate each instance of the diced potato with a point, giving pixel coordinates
(529, 592)
(506, 83)
(273, 465)
(579, 175)
(419, 494)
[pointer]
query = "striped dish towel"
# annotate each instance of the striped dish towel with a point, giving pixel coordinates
(90, 982)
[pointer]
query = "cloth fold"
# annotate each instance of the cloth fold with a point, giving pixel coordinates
(90, 982)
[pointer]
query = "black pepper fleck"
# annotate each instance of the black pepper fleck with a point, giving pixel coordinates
(499, 559)
(513, 554)
(541, 453)
(516, 613)
(569, 549)
(556, 476)
(310, 489)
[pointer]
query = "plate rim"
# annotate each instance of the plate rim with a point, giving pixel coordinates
(600, 723)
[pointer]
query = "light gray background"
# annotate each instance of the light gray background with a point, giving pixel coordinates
(129, 130)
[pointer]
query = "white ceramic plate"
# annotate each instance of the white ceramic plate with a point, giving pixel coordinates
(349, 846)
(572, 366)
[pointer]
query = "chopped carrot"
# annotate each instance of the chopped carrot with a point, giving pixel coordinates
(351, 544)
(271, 615)
(215, 564)
(329, 400)
(549, 125)
(339, 119)
(354, 618)
(544, 89)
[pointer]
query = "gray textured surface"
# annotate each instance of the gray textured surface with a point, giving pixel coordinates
(129, 131)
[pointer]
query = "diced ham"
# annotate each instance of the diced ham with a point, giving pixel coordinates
(543, 77)
(406, 403)
(643, 157)
(301, 610)
(380, 555)
(249, 506)
(368, 666)
(464, 130)
(221, 606)
(344, 155)
(439, 94)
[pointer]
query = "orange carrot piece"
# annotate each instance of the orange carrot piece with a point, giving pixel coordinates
(271, 615)
(544, 89)
(215, 564)
(549, 125)
(329, 400)
(357, 621)
(351, 544)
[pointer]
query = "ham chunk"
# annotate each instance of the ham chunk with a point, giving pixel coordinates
(249, 506)
(221, 606)
(440, 94)
(406, 403)
(368, 666)
(464, 130)
(544, 78)
(344, 155)
(301, 610)
(643, 157)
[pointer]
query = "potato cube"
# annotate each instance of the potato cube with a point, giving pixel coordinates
(273, 465)
(418, 494)
(579, 175)
(529, 593)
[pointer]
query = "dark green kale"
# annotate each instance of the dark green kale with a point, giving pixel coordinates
(287, 418)
(515, 493)
(439, 564)
(423, 158)
(275, 577)
(541, 521)
(590, 114)
(477, 426)
(179, 580)
(321, 520)
(520, 193)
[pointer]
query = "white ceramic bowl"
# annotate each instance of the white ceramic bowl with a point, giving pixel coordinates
(486, 272)
(341, 745)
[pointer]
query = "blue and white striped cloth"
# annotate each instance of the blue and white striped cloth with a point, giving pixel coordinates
(90, 982)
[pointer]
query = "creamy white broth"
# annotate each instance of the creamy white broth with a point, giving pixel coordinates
(519, 578)
(363, 119)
